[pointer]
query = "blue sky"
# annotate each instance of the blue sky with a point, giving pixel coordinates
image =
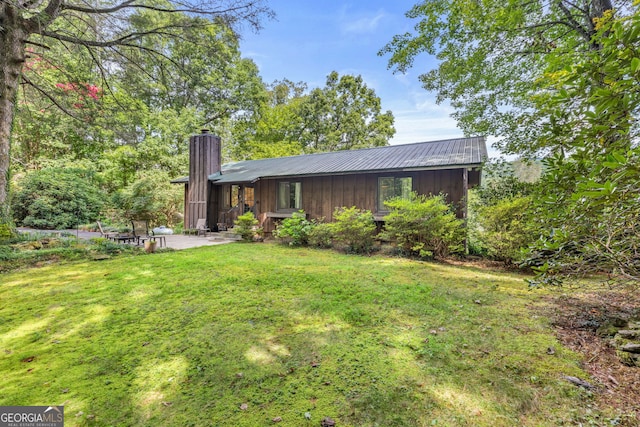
(309, 39)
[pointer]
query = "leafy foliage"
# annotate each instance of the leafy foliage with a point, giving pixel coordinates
(247, 226)
(500, 220)
(425, 226)
(597, 227)
(321, 236)
(296, 230)
(591, 199)
(558, 80)
(500, 182)
(355, 228)
(273, 129)
(105, 39)
(153, 198)
(507, 227)
(494, 57)
(344, 115)
(57, 199)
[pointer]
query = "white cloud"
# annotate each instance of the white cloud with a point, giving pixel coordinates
(418, 127)
(360, 25)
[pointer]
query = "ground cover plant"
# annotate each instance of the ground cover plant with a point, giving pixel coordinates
(27, 250)
(250, 335)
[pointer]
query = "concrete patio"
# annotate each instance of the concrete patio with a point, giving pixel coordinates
(174, 241)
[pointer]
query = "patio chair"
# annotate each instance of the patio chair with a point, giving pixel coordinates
(141, 232)
(200, 228)
(106, 235)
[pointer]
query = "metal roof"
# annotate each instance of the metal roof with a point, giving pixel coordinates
(461, 152)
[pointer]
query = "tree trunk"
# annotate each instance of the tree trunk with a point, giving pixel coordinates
(12, 37)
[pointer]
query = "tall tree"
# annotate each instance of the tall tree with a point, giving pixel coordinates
(344, 115)
(554, 79)
(273, 129)
(200, 81)
(590, 198)
(494, 57)
(94, 27)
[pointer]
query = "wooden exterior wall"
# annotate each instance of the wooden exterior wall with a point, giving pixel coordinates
(322, 195)
(204, 160)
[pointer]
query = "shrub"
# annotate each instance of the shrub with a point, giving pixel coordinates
(506, 228)
(57, 199)
(425, 226)
(247, 227)
(355, 228)
(7, 232)
(152, 197)
(321, 236)
(295, 230)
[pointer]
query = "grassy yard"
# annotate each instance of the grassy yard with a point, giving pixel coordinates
(258, 334)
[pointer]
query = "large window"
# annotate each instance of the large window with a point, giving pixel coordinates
(289, 195)
(390, 187)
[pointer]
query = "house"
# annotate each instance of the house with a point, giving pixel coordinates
(318, 183)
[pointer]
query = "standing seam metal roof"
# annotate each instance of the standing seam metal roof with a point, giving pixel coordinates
(418, 156)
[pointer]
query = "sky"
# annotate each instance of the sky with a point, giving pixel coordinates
(310, 39)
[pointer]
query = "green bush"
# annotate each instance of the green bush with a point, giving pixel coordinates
(424, 226)
(506, 228)
(294, 231)
(247, 227)
(321, 236)
(7, 232)
(152, 197)
(57, 199)
(355, 228)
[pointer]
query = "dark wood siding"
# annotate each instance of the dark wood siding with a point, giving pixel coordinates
(204, 160)
(323, 194)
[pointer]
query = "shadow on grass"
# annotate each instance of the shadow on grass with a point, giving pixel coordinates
(207, 337)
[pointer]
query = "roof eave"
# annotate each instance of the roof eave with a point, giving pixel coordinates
(358, 172)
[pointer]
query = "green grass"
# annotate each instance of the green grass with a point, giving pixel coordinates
(236, 335)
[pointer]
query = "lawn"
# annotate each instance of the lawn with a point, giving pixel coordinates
(261, 334)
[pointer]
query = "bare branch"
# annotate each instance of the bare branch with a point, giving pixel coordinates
(125, 40)
(130, 4)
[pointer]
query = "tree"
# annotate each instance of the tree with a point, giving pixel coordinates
(201, 81)
(495, 57)
(273, 128)
(591, 202)
(344, 115)
(90, 29)
(560, 80)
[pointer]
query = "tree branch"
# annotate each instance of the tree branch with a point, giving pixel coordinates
(574, 24)
(47, 95)
(37, 22)
(130, 4)
(125, 40)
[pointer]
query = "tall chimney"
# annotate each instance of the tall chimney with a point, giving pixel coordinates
(204, 160)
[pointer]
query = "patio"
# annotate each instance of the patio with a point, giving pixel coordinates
(174, 241)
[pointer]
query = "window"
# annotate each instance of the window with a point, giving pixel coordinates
(226, 196)
(390, 187)
(289, 196)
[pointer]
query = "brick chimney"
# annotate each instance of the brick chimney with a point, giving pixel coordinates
(204, 160)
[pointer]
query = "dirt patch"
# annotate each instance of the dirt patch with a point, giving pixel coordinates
(576, 318)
